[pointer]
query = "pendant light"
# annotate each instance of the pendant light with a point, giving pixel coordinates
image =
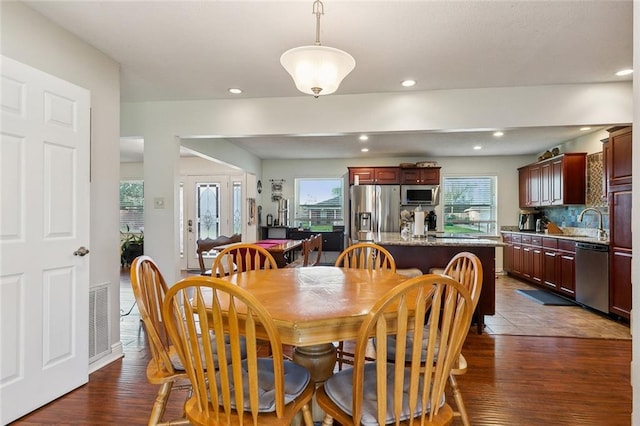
(317, 70)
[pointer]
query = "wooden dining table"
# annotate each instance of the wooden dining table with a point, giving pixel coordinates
(316, 306)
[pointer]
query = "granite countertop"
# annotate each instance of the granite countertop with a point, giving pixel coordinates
(586, 235)
(433, 239)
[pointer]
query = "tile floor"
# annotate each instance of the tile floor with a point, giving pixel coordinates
(519, 315)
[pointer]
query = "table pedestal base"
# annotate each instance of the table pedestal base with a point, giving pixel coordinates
(320, 360)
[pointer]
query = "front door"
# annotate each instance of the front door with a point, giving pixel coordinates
(44, 275)
(205, 214)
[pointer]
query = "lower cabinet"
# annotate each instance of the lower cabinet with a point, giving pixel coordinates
(550, 262)
(566, 267)
(620, 283)
(546, 261)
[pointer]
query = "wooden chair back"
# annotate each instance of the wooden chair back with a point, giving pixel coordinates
(242, 257)
(213, 306)
(149, 289)
(313, 253)
(466, 268)
(446, 307)
(366, 256)
(207, 244)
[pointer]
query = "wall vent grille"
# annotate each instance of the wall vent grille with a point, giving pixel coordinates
(98, 321)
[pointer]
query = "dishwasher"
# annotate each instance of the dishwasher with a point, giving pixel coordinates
(592, 275)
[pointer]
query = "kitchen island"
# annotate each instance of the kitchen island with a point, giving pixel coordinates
(435, 251)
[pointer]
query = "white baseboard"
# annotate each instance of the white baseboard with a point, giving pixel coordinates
(115, 354)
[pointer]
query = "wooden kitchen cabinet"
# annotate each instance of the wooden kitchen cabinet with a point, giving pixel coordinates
(566, 268)
(619, 165)
(375, 175)
(618, 170)
(420, 176)
(532, 258)
(513, 253)
(556, 181)
(545, 261)
(529, 185)
(550, 262)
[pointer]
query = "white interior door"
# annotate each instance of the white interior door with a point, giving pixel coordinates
(44, 287)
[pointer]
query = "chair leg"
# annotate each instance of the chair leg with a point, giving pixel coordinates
(327, 421)
(340, 354)
(306, 415)
(160, 403)
(457, 396)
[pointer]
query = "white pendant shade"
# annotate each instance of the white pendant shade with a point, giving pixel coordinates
(317, 70)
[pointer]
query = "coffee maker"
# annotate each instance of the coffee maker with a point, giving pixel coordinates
(527, 220)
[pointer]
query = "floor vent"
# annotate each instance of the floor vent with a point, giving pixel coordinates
(98, 321)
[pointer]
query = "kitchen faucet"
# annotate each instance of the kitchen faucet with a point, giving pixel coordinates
(601, 233)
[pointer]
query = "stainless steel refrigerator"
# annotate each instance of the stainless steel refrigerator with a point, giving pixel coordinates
(373, 209)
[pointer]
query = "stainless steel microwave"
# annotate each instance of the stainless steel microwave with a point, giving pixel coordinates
(426, 195)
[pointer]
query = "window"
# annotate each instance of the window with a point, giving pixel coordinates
(470, 204)
(237, 207)
(207, 210)
(132, 206)
(318, 204)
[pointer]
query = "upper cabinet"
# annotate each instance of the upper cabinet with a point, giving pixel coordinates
(375, 175)
(420, 176)
(556, 181)
(618, 157)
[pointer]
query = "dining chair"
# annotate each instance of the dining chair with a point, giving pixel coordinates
(304, 255)
(207, 244)
(466, 269)
(366, 256)
(311, 252)
(265, 391)
(243, 257)
(362, 256)
(149, 289)
(314, 253)
(384, 392)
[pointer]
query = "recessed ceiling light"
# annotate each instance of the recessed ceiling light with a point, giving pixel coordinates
(364, 138)
(585, 128)
(477, 147)
(235, 91)
(624, 72)
(364, 150)
(408, 83)
(498, 134)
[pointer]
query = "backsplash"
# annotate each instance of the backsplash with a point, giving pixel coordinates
(595, 176)
(567, 216)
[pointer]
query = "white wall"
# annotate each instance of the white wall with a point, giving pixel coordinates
(505, 168)
(31, 39)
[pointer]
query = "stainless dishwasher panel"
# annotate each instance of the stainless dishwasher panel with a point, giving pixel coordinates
(592, 275)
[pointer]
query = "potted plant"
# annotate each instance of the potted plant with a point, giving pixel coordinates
(131, 246)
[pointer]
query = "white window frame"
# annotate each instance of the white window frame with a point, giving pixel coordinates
(476, 216)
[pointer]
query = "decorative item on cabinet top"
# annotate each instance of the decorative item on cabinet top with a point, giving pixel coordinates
(422, 164)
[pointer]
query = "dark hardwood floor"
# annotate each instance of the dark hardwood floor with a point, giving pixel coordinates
(512, 380)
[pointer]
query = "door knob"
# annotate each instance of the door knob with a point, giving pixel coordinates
(82, 251)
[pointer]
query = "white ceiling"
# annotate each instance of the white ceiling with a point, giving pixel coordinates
(185, 50)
